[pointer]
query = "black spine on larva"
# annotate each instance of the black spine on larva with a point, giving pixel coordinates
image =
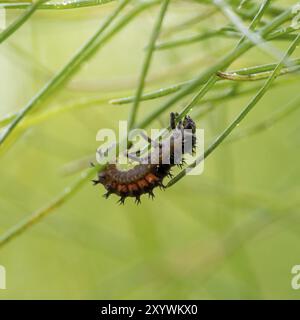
(143, 178)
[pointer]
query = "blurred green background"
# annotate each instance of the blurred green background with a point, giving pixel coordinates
(232, 232)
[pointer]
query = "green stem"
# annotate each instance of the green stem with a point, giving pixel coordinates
(223, 32)
(257, 18)
(74, 63)
(176, 87)
(255, 76)
(248, 33)
(240, 117)
(147, 62)
(202, 78)
(70, 4)
(229, 32)
(220, 65)
(154, 94)
(232, 94)
(268, 123)
(199, 37)
(197, 19)
(20, 20)
(41, 213)
(210, 83)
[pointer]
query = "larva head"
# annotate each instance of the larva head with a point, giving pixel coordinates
(188, 123)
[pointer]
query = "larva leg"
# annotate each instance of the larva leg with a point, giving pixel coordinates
(170, 175)
(121, 200)
(151, 194)
(137, 200)
(107, 194)
(161, 186)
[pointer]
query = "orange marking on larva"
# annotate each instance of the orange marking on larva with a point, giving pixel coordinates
(151, 178)
(142, 183)
(132, 187)
(122, 188)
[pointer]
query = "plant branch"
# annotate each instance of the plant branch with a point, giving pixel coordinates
(91, 46)
(70, 4)
(240, 117)
(263, 125)
(176, 87)
(147, 62)
(41, 213)
(255, 76)
(20, 20)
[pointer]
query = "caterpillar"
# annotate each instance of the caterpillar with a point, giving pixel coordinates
(151, 170)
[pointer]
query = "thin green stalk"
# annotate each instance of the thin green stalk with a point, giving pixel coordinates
(239, 236)
(13, 27)
(240, 117)
(255, 76)
(281, 33)
(248, 33)
(65, 107)
(213, 79)
(27, 222)
(174, 88)
(263, 125)
(7, 119)
(211, 82)
(264, 6)
(40, 117)
(203, 78)
(261, 68)
(37, 118)
(162, 92)
(62, 75)
(70, 4)
(154, 94)
(197, 19)
(249, 11)
(147, 62)
(74, 63)
(222, 32)
(232, 94)
(199, 37)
